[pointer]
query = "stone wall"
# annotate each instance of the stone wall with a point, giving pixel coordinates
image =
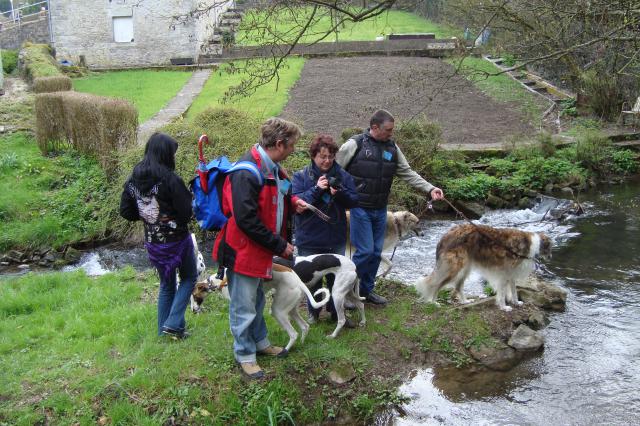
(86, 28)
(34, 31)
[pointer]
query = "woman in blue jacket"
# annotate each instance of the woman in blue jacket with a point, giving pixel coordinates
(329, 188)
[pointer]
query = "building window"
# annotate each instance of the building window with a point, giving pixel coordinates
(123, 29)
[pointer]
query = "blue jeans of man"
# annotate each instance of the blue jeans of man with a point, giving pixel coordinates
(172, 303)
(246, 316)
(367, 236)
(329, 278)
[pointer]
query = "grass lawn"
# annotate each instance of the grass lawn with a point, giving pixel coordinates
(501, 87)
(47, 202)
(389, 22)
(266, 101)
(148, 90)
(85, 350)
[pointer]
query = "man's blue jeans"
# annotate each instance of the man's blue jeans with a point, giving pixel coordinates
(367, 236)
(246, 316)
(172, 303)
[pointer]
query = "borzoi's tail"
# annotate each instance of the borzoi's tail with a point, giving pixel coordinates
(310, 298)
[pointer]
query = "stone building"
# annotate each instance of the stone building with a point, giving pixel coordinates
(132, 33)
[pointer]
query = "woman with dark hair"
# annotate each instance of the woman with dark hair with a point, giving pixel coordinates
(155, 194)
(328, 187)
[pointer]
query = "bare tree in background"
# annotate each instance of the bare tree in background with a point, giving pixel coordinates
(590, 46)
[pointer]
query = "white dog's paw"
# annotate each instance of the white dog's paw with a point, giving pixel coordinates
(330, 336)
(362, 323)
(482, 296)
(519, 303)
(506, 308)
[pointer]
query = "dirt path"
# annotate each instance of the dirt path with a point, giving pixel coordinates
(336, 93)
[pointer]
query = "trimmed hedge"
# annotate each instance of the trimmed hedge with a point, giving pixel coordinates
(93, 125)
(56, 83)
(35, 61)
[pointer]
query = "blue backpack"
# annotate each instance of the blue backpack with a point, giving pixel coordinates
(207, 206)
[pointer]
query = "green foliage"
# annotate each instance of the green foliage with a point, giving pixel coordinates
(568, 107)
(624, 161)
(38, 61)
(537, 172)
(9, 60)
(147, 90)
(48, 202)
(476, 186)
(508, 60)
(228, 38)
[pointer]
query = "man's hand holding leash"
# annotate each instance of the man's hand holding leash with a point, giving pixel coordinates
(436, 194)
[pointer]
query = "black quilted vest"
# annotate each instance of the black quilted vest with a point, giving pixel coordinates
(373, 167)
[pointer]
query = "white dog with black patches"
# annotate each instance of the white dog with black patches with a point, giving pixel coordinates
(399, 226)
(202, 287)
(346, 286)
(288, 292)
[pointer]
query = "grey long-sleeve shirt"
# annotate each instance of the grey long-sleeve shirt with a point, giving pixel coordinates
(404, 171)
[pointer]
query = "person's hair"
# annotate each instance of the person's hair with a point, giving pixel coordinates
(276, 129)
(380, 117)
(159, 160)
(322, 141)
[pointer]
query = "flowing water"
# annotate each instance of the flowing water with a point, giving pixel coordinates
(589, 372)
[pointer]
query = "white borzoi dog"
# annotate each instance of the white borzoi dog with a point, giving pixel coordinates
(346, 286)
(399, 225)
(288, 293)
(503, 256)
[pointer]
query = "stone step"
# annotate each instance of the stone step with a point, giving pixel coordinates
(231, 15)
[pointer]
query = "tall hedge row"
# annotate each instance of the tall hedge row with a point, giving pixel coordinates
(93, 125)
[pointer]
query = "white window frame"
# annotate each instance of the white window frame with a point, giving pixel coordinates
(123, 29)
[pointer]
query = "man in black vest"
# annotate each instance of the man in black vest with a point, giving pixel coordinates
(373, 159)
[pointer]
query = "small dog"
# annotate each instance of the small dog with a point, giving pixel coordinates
(346, 286)
(288, 293)
(399, 225)
(503, 256)
(202, 288)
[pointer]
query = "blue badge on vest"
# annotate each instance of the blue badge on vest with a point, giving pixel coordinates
(326, 198)
(387, 155)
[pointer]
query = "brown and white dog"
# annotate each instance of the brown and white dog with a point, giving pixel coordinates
(287, 296)
(202, 288)
(399, 225)
(503, 256)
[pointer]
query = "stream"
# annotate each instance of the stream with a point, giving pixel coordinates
(589, 371)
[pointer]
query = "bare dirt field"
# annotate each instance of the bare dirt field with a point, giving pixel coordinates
(337, 93)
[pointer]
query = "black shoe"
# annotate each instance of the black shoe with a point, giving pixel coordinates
(175, 334)
(376, 299)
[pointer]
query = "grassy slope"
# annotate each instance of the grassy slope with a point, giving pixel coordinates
(148, 90)
(46, 201)
(82, 348)
(393, 21)
(267, 101)
(501, 87)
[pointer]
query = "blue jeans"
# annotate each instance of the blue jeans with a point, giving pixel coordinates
(367, 236)
(246, 316)
(329, 279)
(172, 303)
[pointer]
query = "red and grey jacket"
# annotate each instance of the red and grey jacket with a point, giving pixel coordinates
(247, 242)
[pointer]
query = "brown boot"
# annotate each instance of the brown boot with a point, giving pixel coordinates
(274, 351)
(252, 370)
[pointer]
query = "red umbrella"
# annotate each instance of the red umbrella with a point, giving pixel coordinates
(202, 164)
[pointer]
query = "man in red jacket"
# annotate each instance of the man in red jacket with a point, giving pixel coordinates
(259, 212)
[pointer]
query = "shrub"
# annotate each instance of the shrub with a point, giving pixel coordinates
(593, 152)
(604, 95)
(9, 60)
(475, 186)
(500, 167)
(56, 83)
(36, 61)
(93, 125)
(349, 132)
(537, 172)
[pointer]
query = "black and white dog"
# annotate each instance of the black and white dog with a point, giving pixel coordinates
(346, 286)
